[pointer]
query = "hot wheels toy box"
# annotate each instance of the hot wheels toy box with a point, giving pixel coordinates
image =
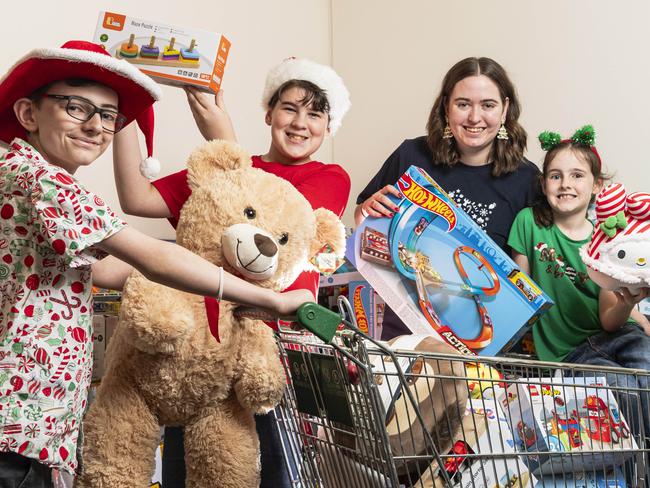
(367, 306)
(170, 54)
(438, 270)
(575, 424)
(485, 455)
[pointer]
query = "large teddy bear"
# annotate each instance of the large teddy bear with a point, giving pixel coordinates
(164, 367)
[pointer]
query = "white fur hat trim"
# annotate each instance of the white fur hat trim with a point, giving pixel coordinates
(320, 75)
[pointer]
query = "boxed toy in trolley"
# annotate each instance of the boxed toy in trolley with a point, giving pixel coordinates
(439, 271)
(569, 415)
(170, 54)
(362, 413)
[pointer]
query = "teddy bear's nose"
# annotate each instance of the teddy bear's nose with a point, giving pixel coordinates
(265, 245)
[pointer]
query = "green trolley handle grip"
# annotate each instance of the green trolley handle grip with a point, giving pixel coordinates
(318, 320)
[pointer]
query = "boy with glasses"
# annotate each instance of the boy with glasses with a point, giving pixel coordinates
(59, 110)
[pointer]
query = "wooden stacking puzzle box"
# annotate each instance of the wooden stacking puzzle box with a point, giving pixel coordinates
(440, 272)
(170, 54)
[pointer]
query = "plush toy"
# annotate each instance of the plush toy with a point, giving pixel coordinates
(164, 367)
(619, 252)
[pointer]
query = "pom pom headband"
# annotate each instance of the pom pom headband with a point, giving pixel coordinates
(585, 135)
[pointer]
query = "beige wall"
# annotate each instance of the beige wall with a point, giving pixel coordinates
(573, 62)
(262, 34)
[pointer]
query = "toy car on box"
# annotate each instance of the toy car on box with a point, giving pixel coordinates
(579, 418)
(485, 456)
(170, 54)
(438, 270)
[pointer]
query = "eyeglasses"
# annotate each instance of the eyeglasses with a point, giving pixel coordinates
(81, 109)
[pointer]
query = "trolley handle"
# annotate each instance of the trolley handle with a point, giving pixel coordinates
(318, 320)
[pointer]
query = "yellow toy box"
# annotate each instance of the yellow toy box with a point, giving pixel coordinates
(171, 55)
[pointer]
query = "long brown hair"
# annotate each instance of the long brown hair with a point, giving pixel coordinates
(541, 209)
(506, 154)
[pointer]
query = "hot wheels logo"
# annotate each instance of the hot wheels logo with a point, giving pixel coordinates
(426, 200)
(359, 312)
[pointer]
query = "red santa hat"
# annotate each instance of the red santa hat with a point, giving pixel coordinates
(83, 60)
(320, 75)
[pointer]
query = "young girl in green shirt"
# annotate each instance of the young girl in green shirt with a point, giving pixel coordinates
(587, 325)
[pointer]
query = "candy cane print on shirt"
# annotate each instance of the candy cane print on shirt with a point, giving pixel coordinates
(70, 304)
(74, 200)
(62, 353)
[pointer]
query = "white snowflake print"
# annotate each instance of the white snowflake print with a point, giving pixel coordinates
(479, 212)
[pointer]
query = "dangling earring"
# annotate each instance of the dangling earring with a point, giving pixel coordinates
(503, 132)
(446, 133)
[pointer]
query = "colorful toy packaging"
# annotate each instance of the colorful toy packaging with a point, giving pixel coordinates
(591, 479)
(171, 55)
(486, 433)
(568, 415)
(438, 270)
(368, 307)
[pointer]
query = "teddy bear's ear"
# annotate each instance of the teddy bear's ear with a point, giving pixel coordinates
(329, 230)
(212, 157)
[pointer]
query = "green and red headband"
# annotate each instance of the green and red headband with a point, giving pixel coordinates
(585, 135)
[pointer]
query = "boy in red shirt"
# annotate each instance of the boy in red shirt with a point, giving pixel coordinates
(304, 102)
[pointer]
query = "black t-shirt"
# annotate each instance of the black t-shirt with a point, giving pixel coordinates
(493, 202)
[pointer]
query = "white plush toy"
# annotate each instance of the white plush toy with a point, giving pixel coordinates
(618, 255)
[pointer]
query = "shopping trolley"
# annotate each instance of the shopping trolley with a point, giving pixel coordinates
(359, 413)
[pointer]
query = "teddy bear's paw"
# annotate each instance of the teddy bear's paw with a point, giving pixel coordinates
(259, 398)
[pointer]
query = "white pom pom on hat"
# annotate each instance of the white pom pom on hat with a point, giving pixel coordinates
(320, 75)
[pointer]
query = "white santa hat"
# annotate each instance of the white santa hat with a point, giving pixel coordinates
(81, 60)
(320, 75)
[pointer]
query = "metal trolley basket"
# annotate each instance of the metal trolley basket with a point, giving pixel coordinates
(357, 413)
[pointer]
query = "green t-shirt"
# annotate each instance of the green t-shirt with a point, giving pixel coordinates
(557, 268)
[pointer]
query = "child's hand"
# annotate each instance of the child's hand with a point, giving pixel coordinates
(628, 299)
(645, 324)
(289, 301)
(210, 114)
(378, 204)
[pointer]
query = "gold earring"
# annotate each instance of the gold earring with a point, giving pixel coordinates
(446, 133)
(503, 132)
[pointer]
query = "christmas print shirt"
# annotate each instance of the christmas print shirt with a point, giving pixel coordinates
(49, 224)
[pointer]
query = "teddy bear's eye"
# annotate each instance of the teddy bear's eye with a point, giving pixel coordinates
(284, 238)
(621, 254)
(250, 213)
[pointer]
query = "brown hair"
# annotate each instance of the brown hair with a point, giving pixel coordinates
(314, 95)
(541, 209)
(506, 154)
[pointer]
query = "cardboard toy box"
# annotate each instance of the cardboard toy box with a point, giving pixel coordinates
(576, 416)
(170, 54)
(368, 308)
(590, 479)
(486, 434)
(438, 270)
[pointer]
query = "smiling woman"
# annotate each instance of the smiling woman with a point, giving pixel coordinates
(473, 148)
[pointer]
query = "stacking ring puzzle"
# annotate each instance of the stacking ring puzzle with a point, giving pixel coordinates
(150, 53)
(172, 55)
